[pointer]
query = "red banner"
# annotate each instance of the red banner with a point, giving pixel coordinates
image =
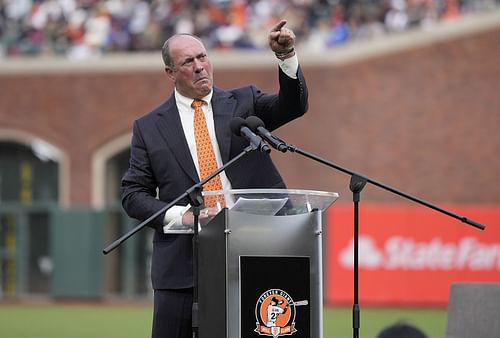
(409, 255)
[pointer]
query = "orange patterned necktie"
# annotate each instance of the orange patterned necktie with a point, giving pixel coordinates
(206, 156)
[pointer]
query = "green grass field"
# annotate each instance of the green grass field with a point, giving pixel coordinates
(133, 321)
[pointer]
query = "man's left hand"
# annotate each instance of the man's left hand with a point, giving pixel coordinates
(281, 39)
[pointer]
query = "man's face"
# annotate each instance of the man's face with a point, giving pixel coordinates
(192, 71)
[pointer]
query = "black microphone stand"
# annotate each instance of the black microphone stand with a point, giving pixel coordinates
(356, 185)
(197, 186)
(195, 198)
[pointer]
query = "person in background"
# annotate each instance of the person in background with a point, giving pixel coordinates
(401, 330)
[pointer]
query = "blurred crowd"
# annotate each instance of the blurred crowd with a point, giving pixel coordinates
(81, 29)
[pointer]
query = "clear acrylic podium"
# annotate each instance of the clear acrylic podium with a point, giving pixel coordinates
(260, 270)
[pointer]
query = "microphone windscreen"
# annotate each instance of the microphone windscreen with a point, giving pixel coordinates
(253, 122)
(235, 124)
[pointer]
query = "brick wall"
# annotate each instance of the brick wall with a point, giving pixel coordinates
(425, 120)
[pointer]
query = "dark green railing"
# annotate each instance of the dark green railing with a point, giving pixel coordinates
(57, 252)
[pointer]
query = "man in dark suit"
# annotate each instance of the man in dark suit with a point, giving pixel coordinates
(164, 162)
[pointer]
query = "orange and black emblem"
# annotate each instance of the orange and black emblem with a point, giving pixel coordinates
(275, 313)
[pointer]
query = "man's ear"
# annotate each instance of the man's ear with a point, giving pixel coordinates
(170, 73)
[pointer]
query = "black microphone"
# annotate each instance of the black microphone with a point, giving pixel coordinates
(239, 127)
(257, 126)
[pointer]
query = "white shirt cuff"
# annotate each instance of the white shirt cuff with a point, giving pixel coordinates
(173, 216)
(290, 66)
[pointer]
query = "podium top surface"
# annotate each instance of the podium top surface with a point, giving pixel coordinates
(275, 201)
(265, 202)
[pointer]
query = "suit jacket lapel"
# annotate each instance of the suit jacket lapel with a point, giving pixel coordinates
(170, 127)
(223, 105)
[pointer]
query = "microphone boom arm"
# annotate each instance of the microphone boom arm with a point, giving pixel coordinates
(196, 186)
(464, 219)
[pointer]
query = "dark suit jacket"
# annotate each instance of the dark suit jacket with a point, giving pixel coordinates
(160, 159)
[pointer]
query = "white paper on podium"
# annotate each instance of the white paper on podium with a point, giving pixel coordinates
(259, 206)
